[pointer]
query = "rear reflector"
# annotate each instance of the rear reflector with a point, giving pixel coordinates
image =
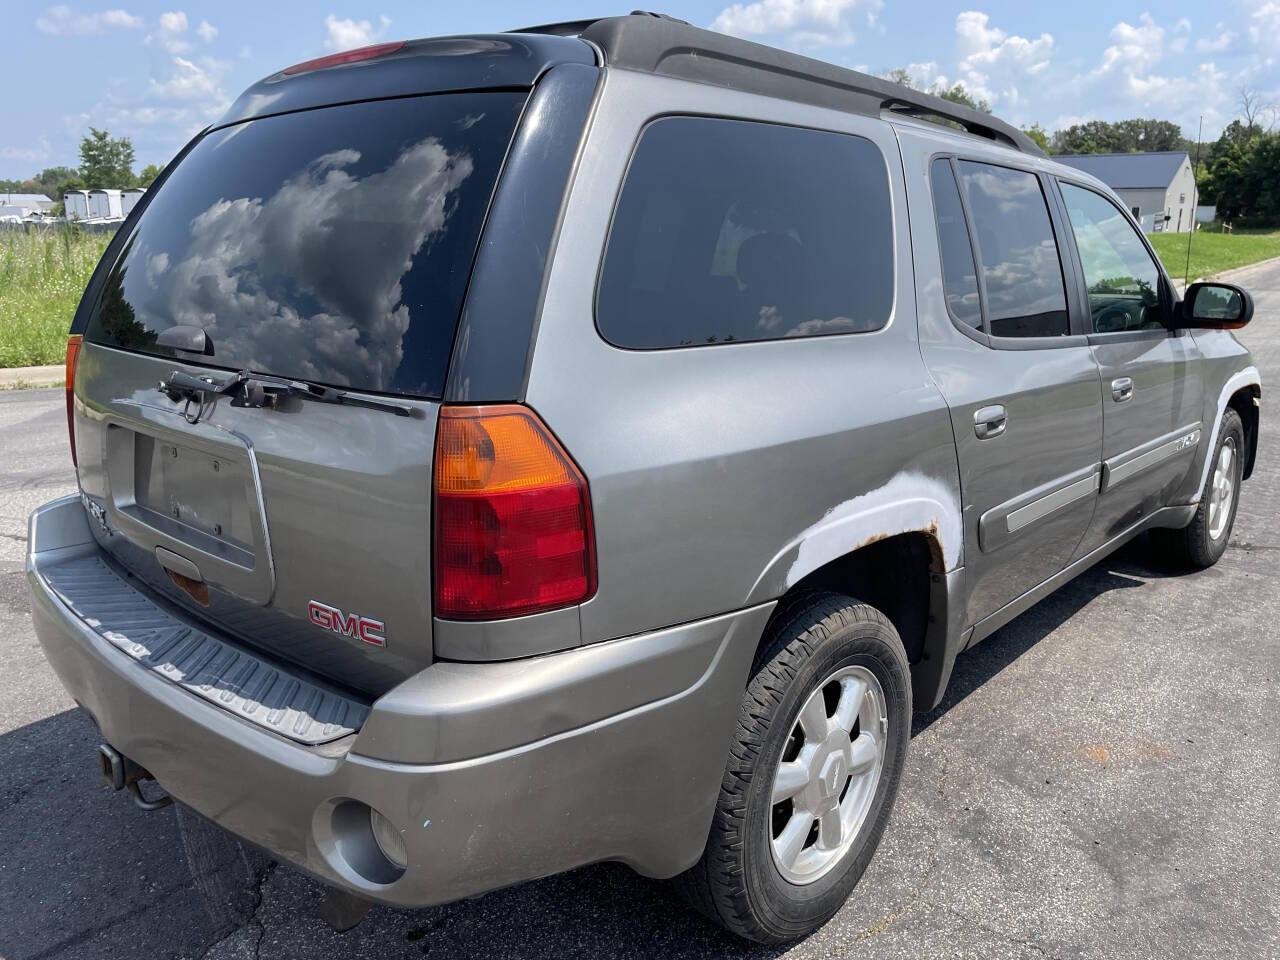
(512, 517)
(347, 56)
(73, 357)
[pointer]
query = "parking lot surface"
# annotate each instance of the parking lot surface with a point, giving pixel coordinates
(1102, 780)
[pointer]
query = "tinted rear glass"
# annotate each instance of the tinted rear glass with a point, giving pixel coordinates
(730, 230)
(332, 245)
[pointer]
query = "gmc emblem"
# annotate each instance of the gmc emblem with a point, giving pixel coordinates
(347, 624)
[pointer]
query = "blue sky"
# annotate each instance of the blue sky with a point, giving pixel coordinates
(158, 72)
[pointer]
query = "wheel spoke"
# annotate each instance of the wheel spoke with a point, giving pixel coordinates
(813, 718)
(852, 692)
(864, 754)
(830, 829)
(790, 842)
(793, 776)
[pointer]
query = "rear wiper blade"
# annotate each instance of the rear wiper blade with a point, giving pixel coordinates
(252, 390)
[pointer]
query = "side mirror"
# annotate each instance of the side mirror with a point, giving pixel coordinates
(1215, 306)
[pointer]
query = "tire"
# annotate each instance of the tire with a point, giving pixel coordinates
(1204, 540)
(740, 882)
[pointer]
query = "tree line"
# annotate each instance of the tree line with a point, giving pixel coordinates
(105, 162)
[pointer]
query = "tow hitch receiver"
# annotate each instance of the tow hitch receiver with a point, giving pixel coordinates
(121, 773)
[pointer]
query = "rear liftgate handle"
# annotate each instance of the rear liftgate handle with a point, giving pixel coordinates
(989, 422)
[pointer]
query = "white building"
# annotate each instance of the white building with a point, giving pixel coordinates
(1159, 186)
(24, 205)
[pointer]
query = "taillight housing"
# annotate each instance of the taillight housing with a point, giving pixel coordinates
(73, 357)
(512, 517)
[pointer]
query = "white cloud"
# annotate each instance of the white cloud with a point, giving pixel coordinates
(207, 31)
(348, 34)
(63, 21)
(1264, 26)
(1218, 44)
(811, 23)
(1129, 77)
(993, 62)
(28, 154)
(190, 81)
(170, 32)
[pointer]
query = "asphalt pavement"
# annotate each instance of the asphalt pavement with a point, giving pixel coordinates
(1102, 780)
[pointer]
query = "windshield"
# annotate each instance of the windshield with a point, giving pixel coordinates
(332, 245)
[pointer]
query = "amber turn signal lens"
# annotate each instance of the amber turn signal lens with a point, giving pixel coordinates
(512, 517)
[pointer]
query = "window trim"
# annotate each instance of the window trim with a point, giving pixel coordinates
(697, 115)
(1076, 335)
(1167, 297)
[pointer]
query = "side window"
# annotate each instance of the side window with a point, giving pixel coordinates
(959, 273)
(1021, 271)
(728, 231)
(1123, 281)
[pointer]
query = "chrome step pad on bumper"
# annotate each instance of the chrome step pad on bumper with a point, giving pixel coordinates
(233, 679)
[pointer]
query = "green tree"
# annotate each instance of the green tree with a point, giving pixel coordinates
(958, 94)
(148, 175)
(106, 161)
(1139, 135)
(1038, 136)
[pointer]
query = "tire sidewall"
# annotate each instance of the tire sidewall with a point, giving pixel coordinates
(786, 908)
(1231, 427)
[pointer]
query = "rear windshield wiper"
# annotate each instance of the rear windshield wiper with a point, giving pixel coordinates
(254, 390)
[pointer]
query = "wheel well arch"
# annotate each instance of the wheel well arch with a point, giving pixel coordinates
(1245, 402)
(902, 577)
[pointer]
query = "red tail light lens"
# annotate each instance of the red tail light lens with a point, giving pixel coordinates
(347, 56)
(73, 357)
(512, 517)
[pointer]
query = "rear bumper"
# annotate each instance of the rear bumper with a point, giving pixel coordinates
(494, 773)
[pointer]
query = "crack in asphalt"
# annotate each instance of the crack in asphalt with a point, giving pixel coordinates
(253, 920)
(996, 931)
(916, 896)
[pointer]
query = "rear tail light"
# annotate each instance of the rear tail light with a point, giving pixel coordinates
(73, 357)
(512, 517)
(347, 56)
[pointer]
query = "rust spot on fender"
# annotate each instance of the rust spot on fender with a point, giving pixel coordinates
(936, 562)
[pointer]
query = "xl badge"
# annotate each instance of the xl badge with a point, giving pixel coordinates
(347, 624)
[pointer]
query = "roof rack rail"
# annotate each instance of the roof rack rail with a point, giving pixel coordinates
(656, 43)
(574, 28)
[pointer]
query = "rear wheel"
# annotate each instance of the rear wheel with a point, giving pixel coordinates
(812, 774)
(1203, 541)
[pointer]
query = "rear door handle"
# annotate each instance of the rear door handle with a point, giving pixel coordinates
(1121, 389)
(989, 422)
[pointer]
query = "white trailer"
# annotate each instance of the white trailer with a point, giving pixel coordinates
(75, 204)
(129, 199)
(105, 205)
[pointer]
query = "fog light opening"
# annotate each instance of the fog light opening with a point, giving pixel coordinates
(361, 841)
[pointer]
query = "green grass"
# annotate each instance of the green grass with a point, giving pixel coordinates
(1211, 253)
(42, 276)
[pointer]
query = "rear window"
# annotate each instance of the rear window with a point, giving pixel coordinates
(730, 231)
(331, 245)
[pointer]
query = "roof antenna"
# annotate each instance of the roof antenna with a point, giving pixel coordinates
(1195, 202)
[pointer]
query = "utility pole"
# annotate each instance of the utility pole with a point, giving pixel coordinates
(1195, 200)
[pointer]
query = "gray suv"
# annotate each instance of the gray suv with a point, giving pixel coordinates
(499, 454)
